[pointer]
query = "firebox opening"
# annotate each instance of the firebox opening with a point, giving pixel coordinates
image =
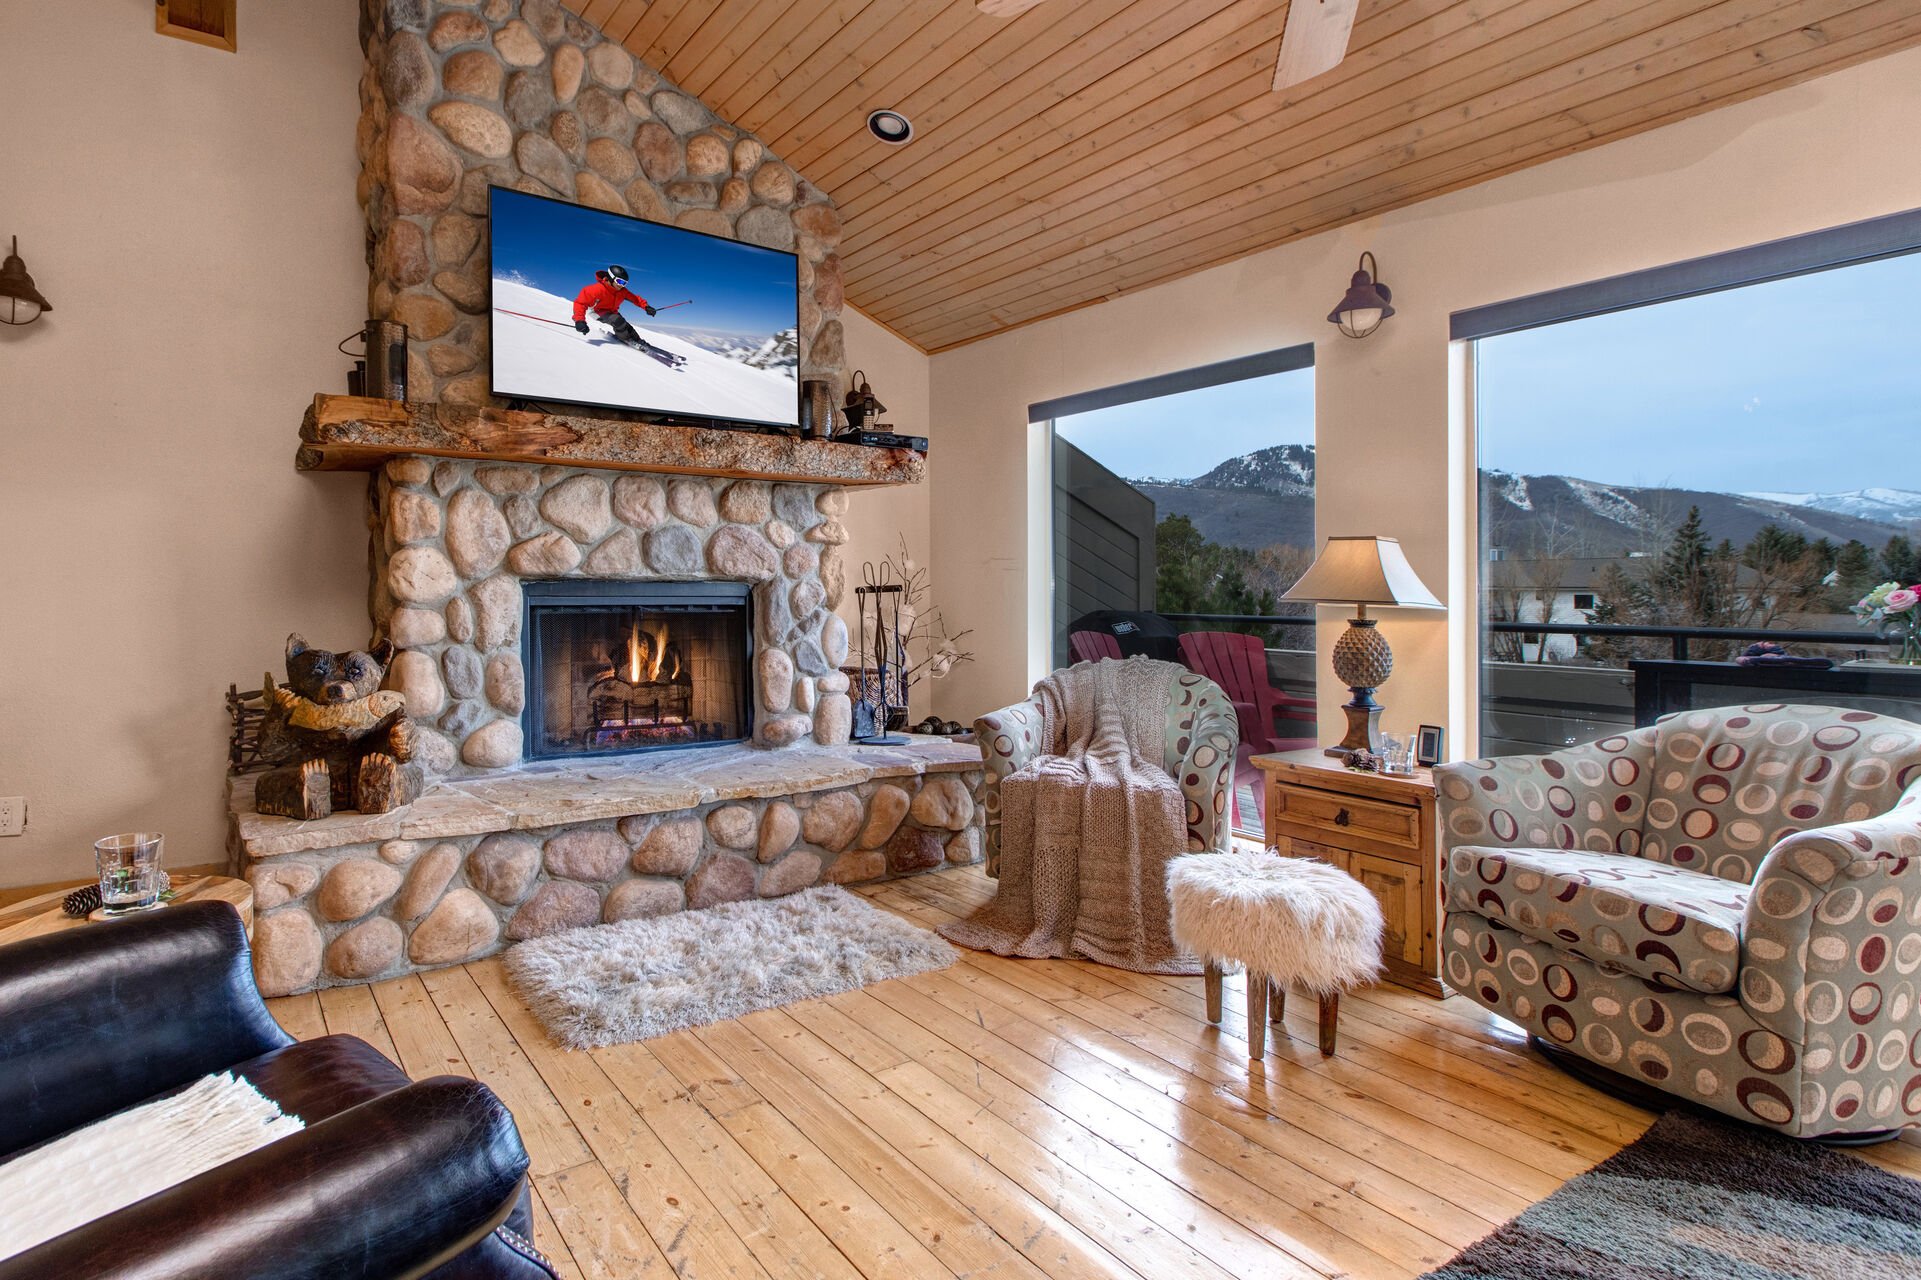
(632, 666)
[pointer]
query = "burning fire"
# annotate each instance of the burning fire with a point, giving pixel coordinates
(644, 657)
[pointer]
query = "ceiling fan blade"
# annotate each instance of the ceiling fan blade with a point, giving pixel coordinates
(1315, 39)
(1004, 8)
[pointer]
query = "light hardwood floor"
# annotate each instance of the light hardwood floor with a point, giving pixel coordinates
(1010, 1118)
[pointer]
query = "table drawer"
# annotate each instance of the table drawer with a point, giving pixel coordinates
(1332, 817)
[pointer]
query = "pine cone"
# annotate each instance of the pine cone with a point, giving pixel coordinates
(83, 901)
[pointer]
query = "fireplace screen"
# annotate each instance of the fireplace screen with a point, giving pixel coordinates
(620, 666)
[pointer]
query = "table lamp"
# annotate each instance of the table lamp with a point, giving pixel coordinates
(1362, 571)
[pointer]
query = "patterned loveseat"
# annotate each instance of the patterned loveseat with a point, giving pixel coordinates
(1198, 752)
(1725, 905)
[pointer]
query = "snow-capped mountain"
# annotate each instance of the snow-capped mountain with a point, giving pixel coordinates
(1267, 497)
(779, 352)
(538, 355)
(1895, 506)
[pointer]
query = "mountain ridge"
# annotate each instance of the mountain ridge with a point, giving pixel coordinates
(1265, 497)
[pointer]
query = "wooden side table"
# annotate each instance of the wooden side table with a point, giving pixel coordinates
(1380, 829)
(40, 915)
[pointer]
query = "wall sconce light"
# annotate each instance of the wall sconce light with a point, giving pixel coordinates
(1366, 304)
(20, 302)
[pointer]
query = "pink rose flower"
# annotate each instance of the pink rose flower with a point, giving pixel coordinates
(1902, 599)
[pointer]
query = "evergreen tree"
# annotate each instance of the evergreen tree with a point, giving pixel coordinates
(1854, 571)
(1194, 575)
(1773, 549)
(1899, 562)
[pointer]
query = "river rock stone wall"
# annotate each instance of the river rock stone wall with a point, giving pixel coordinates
(378, 909)
(452, 540)
(458, 95)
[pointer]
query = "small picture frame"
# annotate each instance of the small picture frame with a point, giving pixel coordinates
(1429, 742)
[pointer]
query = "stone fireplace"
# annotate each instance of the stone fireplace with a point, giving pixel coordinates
(615, 667)
(626, 686)
(466, 554)
(527, 565)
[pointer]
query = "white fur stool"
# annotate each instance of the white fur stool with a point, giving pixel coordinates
(1285, 920)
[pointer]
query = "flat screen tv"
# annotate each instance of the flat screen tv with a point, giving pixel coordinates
(721, 342)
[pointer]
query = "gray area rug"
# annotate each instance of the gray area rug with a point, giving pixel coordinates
(1702, 1199)
(615, 983)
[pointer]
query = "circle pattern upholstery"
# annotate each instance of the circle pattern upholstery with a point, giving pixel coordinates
(1814, 811)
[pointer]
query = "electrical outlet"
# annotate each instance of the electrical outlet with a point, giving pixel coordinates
(13, 815)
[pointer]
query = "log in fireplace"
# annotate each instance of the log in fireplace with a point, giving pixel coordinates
(631, 666)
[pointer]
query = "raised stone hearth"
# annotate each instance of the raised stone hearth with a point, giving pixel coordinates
(481, 862)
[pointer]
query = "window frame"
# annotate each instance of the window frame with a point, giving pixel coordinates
(1851, 244)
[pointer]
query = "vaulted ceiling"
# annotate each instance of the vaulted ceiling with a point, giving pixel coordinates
(1088, 148)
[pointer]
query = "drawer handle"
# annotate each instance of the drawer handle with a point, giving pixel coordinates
(1341, 818)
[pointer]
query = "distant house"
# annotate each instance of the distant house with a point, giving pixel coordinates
(1554, 590)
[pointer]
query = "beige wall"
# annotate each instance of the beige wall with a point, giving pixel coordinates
(1838, 149)
(190, 214)
(879, 519)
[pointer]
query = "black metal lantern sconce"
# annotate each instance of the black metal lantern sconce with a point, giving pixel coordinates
(1366, 304)
(20, 302)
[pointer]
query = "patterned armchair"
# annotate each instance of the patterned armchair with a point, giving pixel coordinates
(1725, 905)
(1198, 752)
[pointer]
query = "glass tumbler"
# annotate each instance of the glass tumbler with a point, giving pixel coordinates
(129, 867)
(1397, 754)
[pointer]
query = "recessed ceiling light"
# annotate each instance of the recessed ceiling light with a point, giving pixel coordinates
(890, 126)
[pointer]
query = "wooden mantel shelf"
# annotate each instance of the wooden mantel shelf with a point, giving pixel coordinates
(355, 433)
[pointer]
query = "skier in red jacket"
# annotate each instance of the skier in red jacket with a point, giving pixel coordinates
(603, 297)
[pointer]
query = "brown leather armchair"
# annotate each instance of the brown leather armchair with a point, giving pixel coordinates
(390, 1178)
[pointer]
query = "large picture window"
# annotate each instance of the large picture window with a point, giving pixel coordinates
(1183, 507)
(1683, 503)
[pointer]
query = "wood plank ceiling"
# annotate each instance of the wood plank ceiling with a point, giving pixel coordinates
(1089, 148)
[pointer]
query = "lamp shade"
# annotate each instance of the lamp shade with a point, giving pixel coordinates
(20, 302)
(1362, 570)
(1366, 303)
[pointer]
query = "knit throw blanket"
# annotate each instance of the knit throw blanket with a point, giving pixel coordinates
(128, 1156)
(1087, 832)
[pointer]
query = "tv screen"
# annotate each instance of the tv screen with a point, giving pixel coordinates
(572, 293)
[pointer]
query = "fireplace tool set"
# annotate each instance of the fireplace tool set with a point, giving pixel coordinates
(889, 656)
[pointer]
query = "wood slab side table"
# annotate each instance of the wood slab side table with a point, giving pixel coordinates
(42, 915)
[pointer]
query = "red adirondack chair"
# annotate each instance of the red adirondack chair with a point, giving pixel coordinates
(1092, 646)
(1238, 663)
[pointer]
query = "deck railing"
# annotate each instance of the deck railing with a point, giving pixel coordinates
(1678, 637)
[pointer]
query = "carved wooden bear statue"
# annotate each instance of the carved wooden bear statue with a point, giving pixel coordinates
(337, 739)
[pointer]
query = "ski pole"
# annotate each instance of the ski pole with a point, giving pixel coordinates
(670, 306)
(543, 319)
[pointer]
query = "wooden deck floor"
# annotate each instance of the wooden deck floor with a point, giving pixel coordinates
(1010, 1119)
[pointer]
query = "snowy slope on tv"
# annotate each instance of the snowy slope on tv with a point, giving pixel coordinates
(539, 356)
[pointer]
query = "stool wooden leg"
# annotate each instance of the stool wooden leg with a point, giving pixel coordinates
(1211, 983)
(1256, 1014)
(1276, 1002)
(1330, 1021)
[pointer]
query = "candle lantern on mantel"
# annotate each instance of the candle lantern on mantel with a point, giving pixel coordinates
(861, 403)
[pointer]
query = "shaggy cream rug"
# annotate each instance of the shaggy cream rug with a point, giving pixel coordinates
(615, 983)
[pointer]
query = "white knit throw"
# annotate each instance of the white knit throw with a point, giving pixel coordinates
(91, 1172)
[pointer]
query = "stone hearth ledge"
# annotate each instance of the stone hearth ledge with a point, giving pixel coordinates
(554, 793)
